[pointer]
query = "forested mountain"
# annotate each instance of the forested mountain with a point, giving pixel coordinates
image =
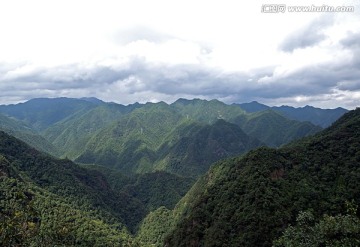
(317, 116)
(184, 137)
(43, 112)
(251, 199)
(202, 145)
(157, 137)
(46, 202)
(138, 161)
(25, 133)
(206, 111)
(273, 129)
(130, 144)
(321, 117)
(267, 126)
(253, 106)
(73, 133)
(159, 189)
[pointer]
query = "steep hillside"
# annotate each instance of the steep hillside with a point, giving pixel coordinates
(178, 138)
(253, 106)
(182, 138)
(153, 190)
(25, 133)
(274, 129)
(69, 202)
(42, 112)
(130, 144)
(201, 145)
(72, 134)
(156, 137)
(317, 116)
(249, 200)
(204, 111)
(159, 189)
(321, 117)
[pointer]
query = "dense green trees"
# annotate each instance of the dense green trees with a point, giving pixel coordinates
(19, 219)
(249, 200)
(46, 201)
(30, 216)
(331, 231)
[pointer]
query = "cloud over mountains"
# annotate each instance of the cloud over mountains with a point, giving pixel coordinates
(303, 60)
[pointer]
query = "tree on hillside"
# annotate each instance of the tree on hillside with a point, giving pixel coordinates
(334, 231)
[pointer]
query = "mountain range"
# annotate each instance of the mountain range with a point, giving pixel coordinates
(142, 138)
(317, 116)
(83, 172)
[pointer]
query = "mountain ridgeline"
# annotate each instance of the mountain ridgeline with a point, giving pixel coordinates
(190, 173)
(183, 138)
(317, 116)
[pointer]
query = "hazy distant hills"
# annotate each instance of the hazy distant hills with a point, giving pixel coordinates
(274, 129)
(317, 116)
(22, 131)
(73, 133)
(43, 112)
(184, 138)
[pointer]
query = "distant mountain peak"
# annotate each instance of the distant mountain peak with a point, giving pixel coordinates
(253, 106)
(182, 101)
(93, 100)
(317, 116)
(185, 102)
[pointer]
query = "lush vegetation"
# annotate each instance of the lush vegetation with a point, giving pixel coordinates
(145, 138)
(25, 133)
(41, 113)
(193, 153)
(250, 200)
(339, 230)
(134, 185)
(274, 129)
(317, 116)
(159, 189)
(48, 202)
(186, 137)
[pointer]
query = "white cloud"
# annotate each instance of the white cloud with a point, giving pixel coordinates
(129, 51)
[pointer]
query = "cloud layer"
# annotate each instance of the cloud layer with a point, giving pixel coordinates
(315, 63)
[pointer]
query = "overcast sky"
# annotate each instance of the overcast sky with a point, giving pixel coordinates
(128, 51)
